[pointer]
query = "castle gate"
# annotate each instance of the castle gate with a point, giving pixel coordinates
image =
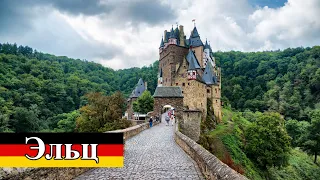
(164, 96)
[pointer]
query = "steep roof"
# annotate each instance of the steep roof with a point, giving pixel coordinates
(162, 44)
(207, 46)
(172, 35)
(208, 75)
(140, 88)
(194, 39)
(194, 33)
(168, 91)
(193, 61)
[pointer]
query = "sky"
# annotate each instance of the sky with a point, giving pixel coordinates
(127, 33)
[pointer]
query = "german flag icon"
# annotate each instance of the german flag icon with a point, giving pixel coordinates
(61, 150)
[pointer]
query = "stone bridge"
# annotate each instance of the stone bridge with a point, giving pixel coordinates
(152, 154)
(162, 152)
(159, 152)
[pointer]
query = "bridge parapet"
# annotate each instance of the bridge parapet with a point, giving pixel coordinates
(210, 166)
(69, 173)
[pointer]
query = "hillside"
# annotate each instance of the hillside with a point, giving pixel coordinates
(228, 143)
(37, 89)
(42, 86)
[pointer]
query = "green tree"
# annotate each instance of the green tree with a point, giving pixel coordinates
(267, 142)
(296, 129)
(68, 123)
(144, 103)
(102, 113)
(311, 141)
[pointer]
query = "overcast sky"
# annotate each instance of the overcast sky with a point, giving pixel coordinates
(127, 33)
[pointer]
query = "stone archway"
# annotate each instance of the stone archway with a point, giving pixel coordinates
(171, 96)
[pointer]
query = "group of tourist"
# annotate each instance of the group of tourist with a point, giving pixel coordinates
(169, 117)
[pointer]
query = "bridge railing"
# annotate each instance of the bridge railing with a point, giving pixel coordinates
(210, 166)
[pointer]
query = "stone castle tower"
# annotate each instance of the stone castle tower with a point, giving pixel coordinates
(189, 64)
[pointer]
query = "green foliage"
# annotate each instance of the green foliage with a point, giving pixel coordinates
(296, 129)
(144, 103)
(57, 85)
(67, 122)
(285, 81)
(300, 167)
(310, 142)
(267, 142)
(102, 113)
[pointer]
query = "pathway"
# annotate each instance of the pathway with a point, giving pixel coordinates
(152, 154)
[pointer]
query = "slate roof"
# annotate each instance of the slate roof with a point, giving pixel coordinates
(194, 39)
(161, 44)
(194, 33)
(140, 88)
(172, 35)
(168, 91)
(193, 61)
(207, 46)
(208, 75)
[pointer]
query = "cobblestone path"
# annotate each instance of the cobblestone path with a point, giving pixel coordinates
(152, 154)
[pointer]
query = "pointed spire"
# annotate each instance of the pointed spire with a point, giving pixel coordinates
(206, 46)
(172, 33)
(193, 61)
(161, 44)
(208, 75)
(194, 33)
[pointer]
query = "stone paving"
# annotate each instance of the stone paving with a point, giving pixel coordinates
(152, 154)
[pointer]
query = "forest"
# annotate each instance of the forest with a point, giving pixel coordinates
(38, 90)
(273, 93)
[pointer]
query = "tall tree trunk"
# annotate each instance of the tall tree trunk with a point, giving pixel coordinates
(315, 157)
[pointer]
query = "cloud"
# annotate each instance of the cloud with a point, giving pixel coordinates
(127, 33)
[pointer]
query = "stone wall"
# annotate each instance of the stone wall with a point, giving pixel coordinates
(169, 58)
(210, 166)
(190, 124)
(134, 130)
(159, 102)
(65, 173)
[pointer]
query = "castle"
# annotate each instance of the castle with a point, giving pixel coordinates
(188, 75)
(189, 64)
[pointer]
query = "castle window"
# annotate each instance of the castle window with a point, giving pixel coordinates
(183, 84)
(217, 101)
(182, 92)
(208, 90)
(177, 84)
(194, 73)
(188, 84)
(216, 90)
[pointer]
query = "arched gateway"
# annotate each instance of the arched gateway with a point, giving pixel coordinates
(168, 97)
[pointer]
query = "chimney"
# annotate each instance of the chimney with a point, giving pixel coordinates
(165, 36)
(181, 35)
(145, 85)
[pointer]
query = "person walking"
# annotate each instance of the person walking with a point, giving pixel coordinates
(172, 120)
(167, 120)
(150, 121)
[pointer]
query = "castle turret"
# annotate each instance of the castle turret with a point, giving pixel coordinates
(207, 55)
(172, 37)
(193, 65)
(161, 45)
